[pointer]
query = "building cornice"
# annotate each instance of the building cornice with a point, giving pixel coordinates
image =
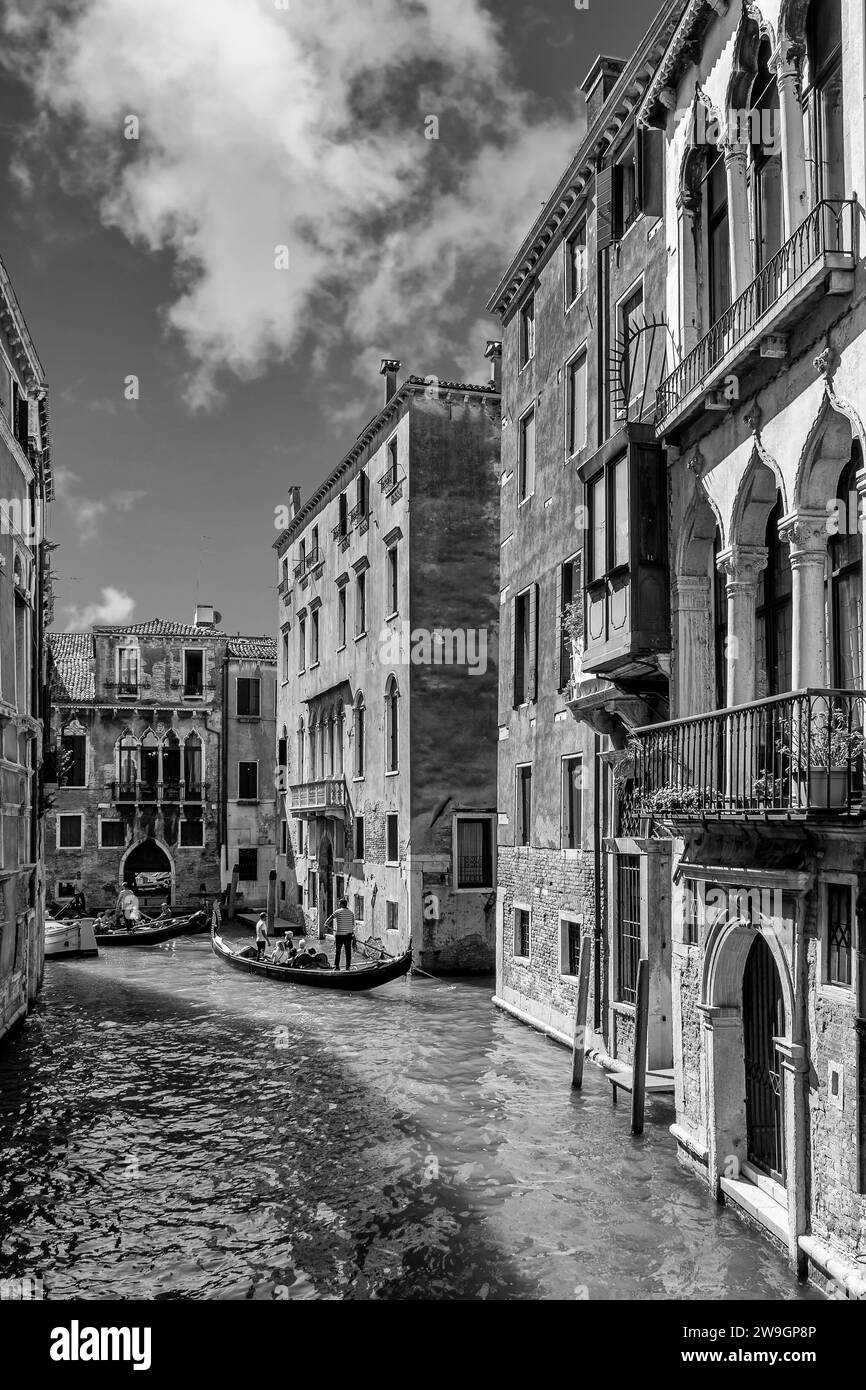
(682, 52)
(625, 97)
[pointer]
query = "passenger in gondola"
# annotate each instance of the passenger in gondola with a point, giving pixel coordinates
(165, 913)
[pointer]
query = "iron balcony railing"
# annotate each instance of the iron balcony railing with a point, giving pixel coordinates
(312, 796)
(786, 755)
(142, 791)
(831, 226)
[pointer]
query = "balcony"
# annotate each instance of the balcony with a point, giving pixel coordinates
(127, 687)
(793, 756)
(325, 798)
(817, 260)
(360, 516)
(144, 793)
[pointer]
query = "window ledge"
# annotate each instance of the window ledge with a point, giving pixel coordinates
(359, 636)
(522, 960)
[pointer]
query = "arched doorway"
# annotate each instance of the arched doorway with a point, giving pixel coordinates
(763, 1023)
(326, 882)
(150, 868)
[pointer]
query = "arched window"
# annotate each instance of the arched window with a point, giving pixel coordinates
(149, 763)
(192, 765)
(822, 94)
(845, 584)
(314, 736)
(301, 750)
(765, 162)
(331, 750)
(359, 734)
(720, 625)
(171, 765)
(718, 237)
(392, 747)
(127, 754)
(774, 613)
(72, 771)
(341, 734)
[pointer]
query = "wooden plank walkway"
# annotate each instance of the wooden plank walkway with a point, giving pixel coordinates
(656, 1082)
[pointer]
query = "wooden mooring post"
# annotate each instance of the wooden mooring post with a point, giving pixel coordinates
(641, 1022)
(233, 892)
(578, 1048)
(272, 900)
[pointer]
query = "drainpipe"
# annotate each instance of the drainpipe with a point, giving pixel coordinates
(224, 766)
(596, 851)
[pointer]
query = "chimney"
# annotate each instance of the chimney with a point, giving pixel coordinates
(389, 369)
(493, 352)
(294, 502)
(598, 85)
(204, 615)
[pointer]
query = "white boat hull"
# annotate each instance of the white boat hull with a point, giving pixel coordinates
(67, 940)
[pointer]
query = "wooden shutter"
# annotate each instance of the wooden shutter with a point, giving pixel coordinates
(604, 190)
(514, 700)
(649, 170)
(532, 673)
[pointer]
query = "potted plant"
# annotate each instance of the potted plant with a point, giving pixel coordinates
(672, 800)
(822, 758)
(572, 624)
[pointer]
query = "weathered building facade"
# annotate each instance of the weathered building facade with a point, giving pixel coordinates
(585, 641)
(387, 679)
(25, 486)
(757, 786)
(159, 733)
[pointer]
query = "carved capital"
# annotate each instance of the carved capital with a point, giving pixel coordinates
(742, 565)
(691, 593)
(806, 534)
(788, 62)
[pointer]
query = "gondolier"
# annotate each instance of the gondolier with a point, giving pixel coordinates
(344, 927)
(261, 935)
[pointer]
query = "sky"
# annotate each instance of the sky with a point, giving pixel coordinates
(218, 217)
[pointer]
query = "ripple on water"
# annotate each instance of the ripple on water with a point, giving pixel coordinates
(172, 1129)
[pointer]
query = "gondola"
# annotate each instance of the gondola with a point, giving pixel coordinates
(152, 934)
(367, 976)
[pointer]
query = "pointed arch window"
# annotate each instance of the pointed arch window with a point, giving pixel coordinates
(341, 733)
(718, 236)
(314, 738)
(171, 765)
(192, 765)
(73, 757)
(774, 613)
(720, 616)
(392, 748)
(127, 755)
(822, 94)
(765, 162)
(301, 750)
(149, 764)
(845, 584)
(360, 734)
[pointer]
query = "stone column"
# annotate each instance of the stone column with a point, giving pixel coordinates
(722, 1039)
(806, 533)
(788, 60)
(689, 299)
(691, 619)
(742, 564)
(794, 1068)
(739, 222)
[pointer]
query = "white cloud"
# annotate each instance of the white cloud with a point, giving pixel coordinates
(116, 607)
(87, 512)
(262, 127)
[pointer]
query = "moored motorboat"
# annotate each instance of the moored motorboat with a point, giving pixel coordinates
(69, 940)
(150, 933)
(367, 976)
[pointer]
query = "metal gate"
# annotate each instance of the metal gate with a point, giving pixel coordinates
(763, 1019)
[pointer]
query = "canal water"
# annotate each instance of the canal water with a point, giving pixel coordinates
(171, 1128)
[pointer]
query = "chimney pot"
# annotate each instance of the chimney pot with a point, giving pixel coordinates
(493, 352)
(204, 616)
(294, 502)
(389, 368)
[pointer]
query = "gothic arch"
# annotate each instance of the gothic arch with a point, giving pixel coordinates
(751, 31)
(695, 153)
(755, 499)
(697, 534)
(825, 453)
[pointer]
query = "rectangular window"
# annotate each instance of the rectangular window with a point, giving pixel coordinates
(73, 751)
(522, 653)
(598, 523)
(341, 617)
(313, 558)
(628, 926)
(391, 472)
(314, 637)
(569, 945)
(572, 802)
(360, 605)
(630, 321)
(392, 916)
(526, 349)
(521, 933)
(626, 191)
(191, 834)
(576, 404)
(285, 656)
(358, 908)
(575, 260)
(523, 805)
(526, 457)
(392, 595)
(193, 673)
(112, 834)
(127, 668)
(474, 867)
(718, 239)
(392, 849)
(249, 697)
(342, 515)
(284, 574)
(359, 837)
(839, 935)
(302, 644)
(691, 901)
(248, 781)
(69, 833)
(570, 592)
(284, 837)
(248, 864)
(619, 502)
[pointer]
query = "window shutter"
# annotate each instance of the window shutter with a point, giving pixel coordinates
(649, 172)
(532, 674)
(604, 187)
(560, 626)
(514, 700)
